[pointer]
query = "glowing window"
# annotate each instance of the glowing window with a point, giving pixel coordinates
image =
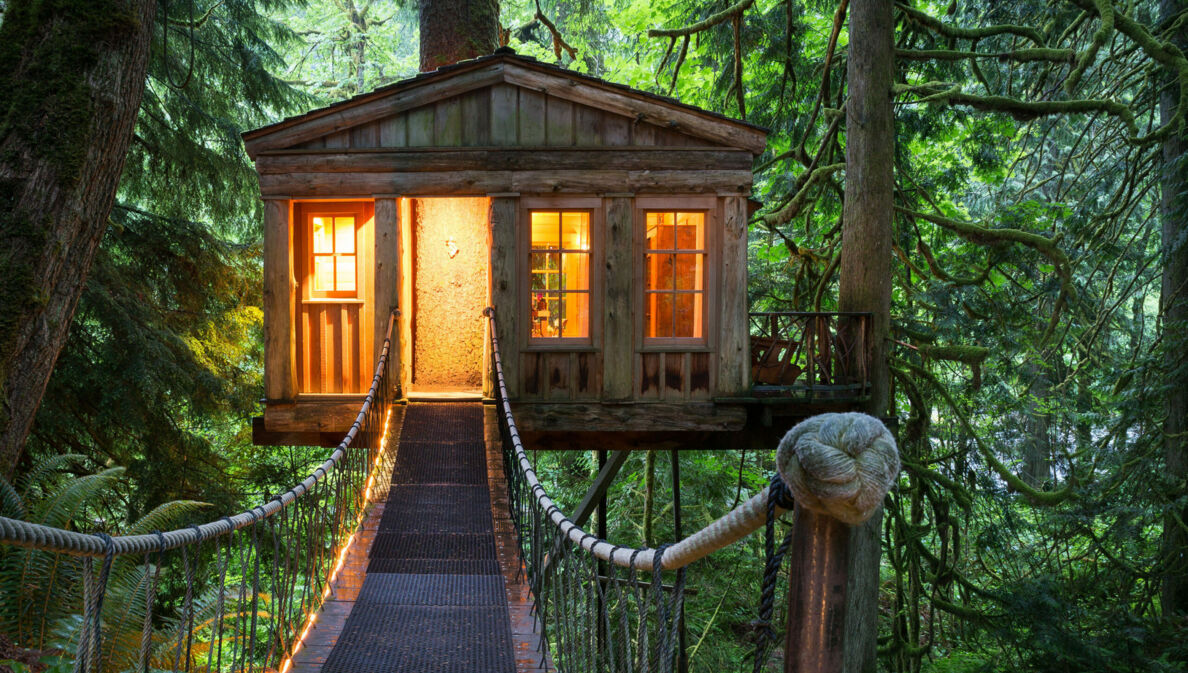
(334, 268)
(674, 276)
(560, 268)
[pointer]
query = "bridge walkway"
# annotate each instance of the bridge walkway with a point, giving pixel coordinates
(430, 583)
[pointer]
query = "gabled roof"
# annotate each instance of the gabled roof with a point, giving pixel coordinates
(508, 67)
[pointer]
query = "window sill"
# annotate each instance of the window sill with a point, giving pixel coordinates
(692, 346)
(560, 347)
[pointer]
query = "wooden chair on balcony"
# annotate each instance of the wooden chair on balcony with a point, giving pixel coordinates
(772, 361)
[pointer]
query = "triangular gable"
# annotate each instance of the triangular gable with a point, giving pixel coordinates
(505, 100)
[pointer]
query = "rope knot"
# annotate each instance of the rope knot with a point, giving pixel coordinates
(839, 464)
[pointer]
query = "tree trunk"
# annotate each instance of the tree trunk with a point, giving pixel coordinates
(72, 74)
(456, 30)
(866, 276)
(1037, 445)
(1174, 303)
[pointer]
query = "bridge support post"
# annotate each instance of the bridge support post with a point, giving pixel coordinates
(820, 617)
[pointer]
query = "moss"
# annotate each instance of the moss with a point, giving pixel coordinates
(48, 49)
(969, 355)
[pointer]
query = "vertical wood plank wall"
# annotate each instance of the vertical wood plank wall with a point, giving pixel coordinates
(504, 115)
(335, 338)
(279, 343)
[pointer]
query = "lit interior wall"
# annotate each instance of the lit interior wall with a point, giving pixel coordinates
(449, 291)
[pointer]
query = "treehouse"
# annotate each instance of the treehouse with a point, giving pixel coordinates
(606, 226)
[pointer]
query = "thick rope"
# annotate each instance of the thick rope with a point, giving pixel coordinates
(781, 497)
(47, 538)
(839, 464)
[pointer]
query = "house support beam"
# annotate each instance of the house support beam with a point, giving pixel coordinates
(618, 356)
(280, 347)
(734, 346)
(503, 285)
(387, 278)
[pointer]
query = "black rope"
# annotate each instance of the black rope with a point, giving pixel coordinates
(778, 495)
(100, 594)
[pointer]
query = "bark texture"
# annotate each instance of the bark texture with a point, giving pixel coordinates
(1174, 213)
(72, 72)
(457, 30)
(866, 275)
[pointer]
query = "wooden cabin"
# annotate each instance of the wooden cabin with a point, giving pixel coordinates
(606, 225)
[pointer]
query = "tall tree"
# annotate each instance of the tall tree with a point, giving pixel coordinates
(456, 30)
(73, 75)
(866, 273)
(1174, 304)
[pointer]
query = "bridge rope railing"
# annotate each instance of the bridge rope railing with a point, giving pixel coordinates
(242, 590)
(595, 612)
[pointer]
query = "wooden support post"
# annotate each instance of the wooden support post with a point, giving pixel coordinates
(678, 534)
(617, 353)
(280, 347)
(820, 584)
(404, 293)
(504, 287)
(387, 277)
(734, 349)
(594, 494)
(603, 568)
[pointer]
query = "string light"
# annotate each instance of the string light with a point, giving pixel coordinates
(311, 617)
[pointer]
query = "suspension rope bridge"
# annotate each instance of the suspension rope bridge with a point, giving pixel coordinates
(245, 589)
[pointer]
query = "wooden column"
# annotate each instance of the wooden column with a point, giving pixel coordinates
(504, 285)
(404, 302)
(734, 357)
(819, 558)
(280, 346)
(617, 326)
(387, 276)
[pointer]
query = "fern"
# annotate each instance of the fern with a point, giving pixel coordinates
(43, 468)
(165, 516)
(11, 503)
(61, 507)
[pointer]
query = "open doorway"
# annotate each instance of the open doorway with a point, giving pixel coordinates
(449, 287)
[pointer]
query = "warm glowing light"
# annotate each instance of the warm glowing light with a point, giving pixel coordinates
(674, 275)
(560, 273)
(311, 617)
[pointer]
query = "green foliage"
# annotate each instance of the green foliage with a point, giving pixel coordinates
(162, 369)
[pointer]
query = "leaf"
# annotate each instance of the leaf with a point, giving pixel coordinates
(165, 516)
(11, 504)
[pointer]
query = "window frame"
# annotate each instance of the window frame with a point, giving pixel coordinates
(312, 256)
(594, 208)
(709, 207)
(310, 209)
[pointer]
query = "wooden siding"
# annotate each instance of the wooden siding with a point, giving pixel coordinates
(505, 115)
(332, 343)
(560, 375)
(673, 376)
(335, 338)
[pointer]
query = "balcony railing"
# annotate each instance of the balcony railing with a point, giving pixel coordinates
(812, 356)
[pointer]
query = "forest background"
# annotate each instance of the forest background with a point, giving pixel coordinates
(1037, 360)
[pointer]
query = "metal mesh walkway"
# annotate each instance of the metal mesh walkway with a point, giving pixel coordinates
(433, 599)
